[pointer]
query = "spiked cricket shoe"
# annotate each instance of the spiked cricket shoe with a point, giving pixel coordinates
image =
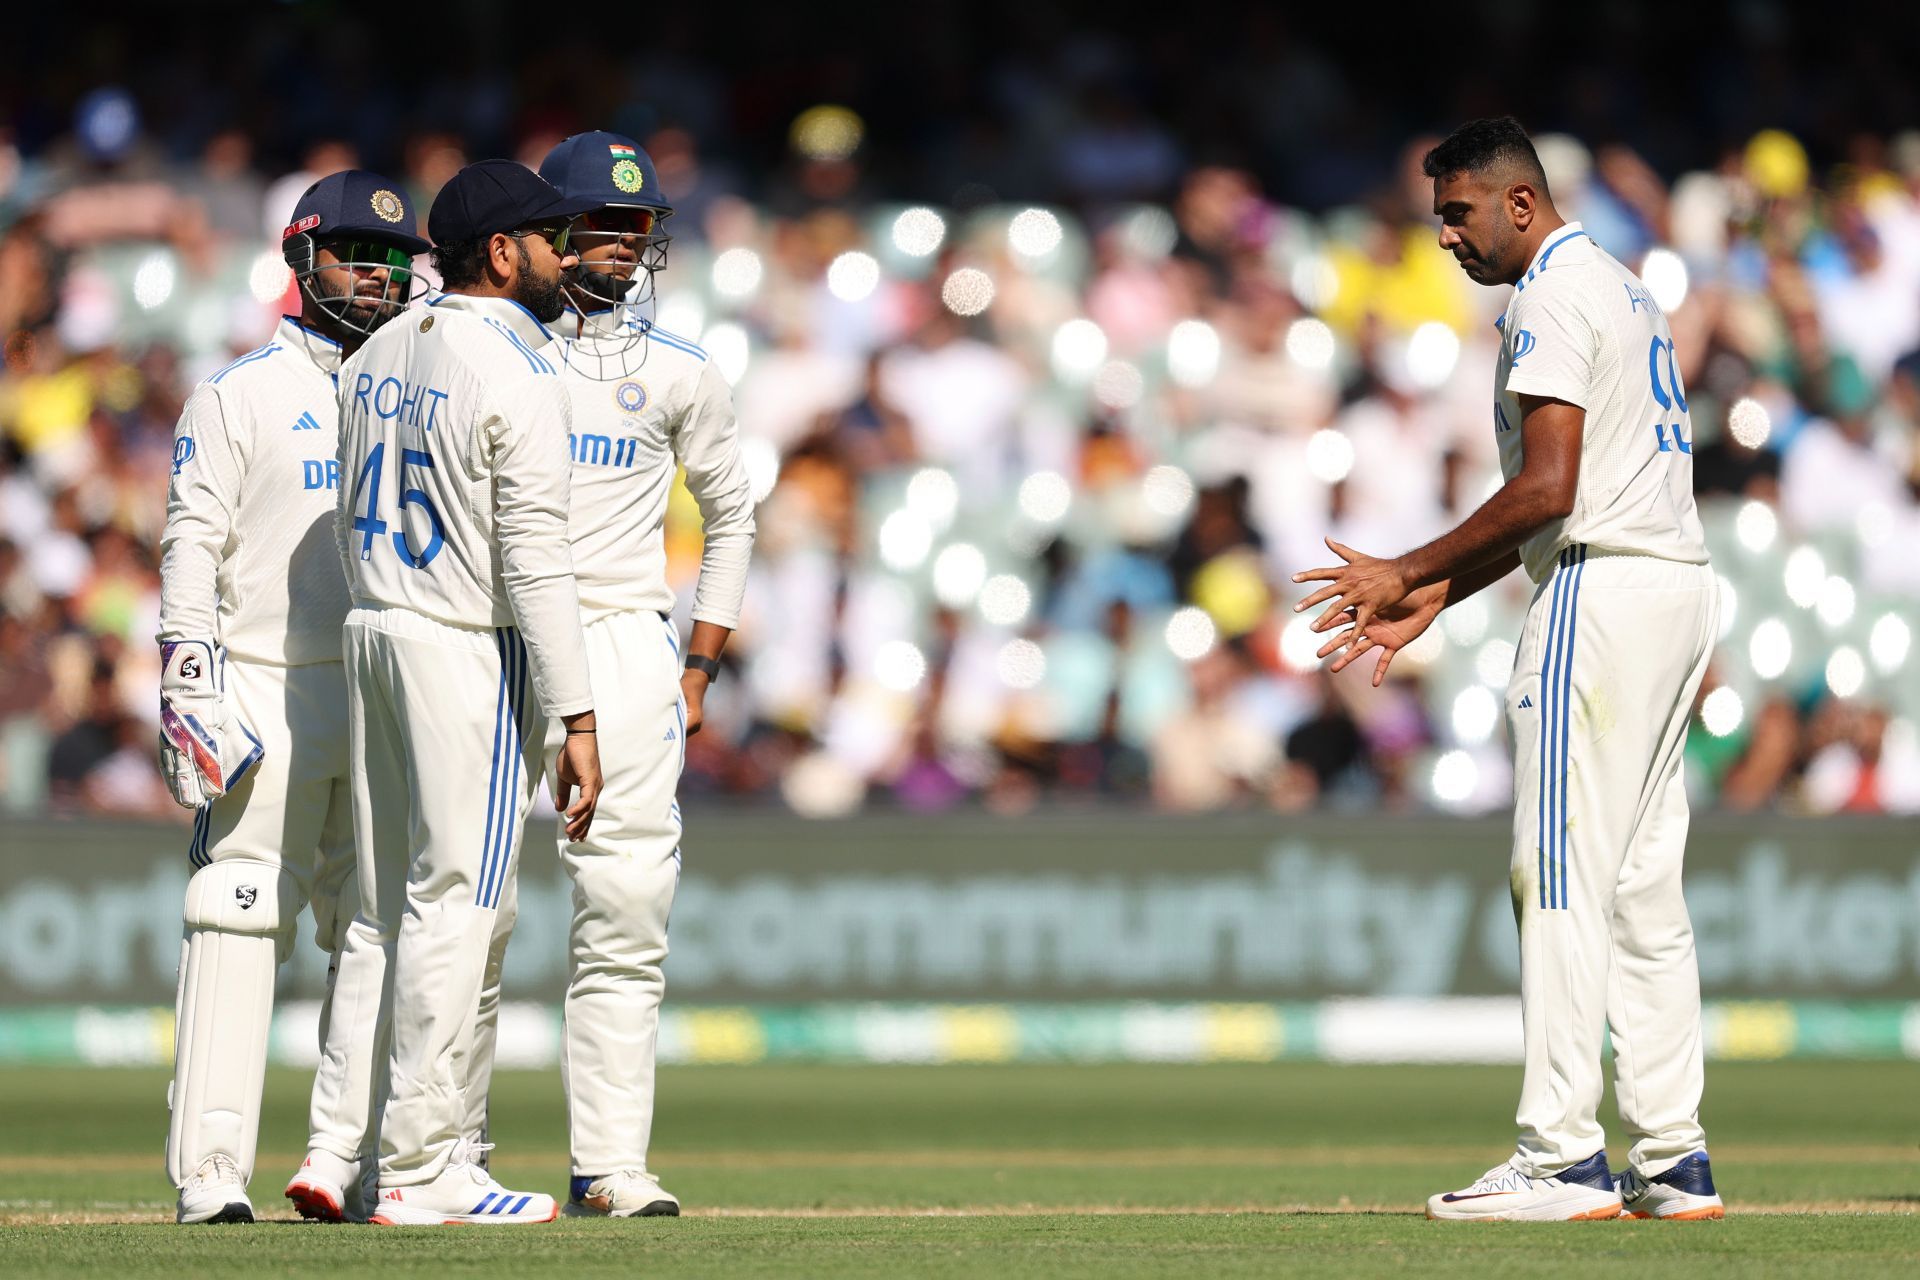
(1581, 1193)
(215, 1193)
(1683, 1193)
(463, 1193)
(328, 1188)
(631, 1193)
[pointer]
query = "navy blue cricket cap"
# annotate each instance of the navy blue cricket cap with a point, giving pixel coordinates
(606, 169)
(492, 196)
(360, 205)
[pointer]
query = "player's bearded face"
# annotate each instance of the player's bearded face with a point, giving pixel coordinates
(537, 287)
(1475, 227)
(372, 294)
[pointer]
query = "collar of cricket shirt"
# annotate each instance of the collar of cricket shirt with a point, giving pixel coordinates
(1561, 235)
(325, 353)
(500, 310)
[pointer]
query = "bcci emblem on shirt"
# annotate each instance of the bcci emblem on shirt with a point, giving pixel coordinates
(630, 396)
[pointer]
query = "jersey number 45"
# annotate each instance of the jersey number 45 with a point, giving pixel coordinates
(370, 526)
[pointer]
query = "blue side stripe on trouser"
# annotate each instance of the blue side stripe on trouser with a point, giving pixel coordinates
(1566, 712)
(1550, 735)
(1556, 698)
(1563, 721)
(493, 775)
(508, 808)
(513, 680)
(519, 703)
(1544, 796)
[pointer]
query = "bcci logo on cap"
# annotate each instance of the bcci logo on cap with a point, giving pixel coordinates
(627, 176)
(387, 206)
(631, 396)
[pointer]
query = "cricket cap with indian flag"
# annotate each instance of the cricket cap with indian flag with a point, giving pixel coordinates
(605, 168)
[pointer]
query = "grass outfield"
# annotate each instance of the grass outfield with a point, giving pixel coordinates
(1018, 1170)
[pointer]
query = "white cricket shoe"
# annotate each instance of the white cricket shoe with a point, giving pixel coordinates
(630, 1193)
(1581, 1193)
(328, 1188)
(464, 1192)
(215, 1192)
(1683, 1193)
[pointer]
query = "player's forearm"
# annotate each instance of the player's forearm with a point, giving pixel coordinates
(1520, 509)
(717, 479)
(722, 585)
(1475, 581)
(536, 568)
(189, 581)
(709, 640)
(546, 607)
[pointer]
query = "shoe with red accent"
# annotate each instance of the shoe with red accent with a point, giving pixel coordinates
(463, 1193)
(328, 1189)
(1580, 1193)
(1682, 1193)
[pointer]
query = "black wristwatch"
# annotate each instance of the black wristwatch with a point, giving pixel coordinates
(705, 665)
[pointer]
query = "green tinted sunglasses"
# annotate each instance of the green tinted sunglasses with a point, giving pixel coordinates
(554, 233)
(372, 253)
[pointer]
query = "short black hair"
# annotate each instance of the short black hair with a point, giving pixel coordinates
(1480, 146)
(461, 263)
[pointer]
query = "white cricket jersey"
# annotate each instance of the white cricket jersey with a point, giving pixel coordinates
(453, 482)
(645, 402)
(1582, 328)
(247, 558)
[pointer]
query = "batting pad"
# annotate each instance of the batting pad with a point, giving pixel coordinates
(239, 921)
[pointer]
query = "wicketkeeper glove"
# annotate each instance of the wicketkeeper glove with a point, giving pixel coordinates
(205, 748)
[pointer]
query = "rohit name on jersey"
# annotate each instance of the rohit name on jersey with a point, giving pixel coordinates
(412, 403)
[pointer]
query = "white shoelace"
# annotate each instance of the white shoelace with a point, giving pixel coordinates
(217, 1168)
(1502, 1177)
(468, 1152)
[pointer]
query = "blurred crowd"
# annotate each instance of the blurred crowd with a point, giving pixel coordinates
(1034, 477)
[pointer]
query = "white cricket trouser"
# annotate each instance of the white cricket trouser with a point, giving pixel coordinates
(290, 816)
(446, 737)
(624, 875)
(1603, 687)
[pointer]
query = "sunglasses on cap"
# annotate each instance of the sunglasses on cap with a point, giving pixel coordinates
(554, 233)
(371, 253)
(617, 222)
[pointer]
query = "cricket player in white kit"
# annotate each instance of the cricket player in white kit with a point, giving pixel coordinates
(1595, 444)
(463, 640)
(253, 694)
(645, 403)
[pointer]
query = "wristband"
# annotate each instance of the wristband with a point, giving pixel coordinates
(706, 666)
(571, 732)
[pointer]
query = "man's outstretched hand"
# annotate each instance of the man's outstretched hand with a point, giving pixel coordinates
(1360, 588)
(1389, 631)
